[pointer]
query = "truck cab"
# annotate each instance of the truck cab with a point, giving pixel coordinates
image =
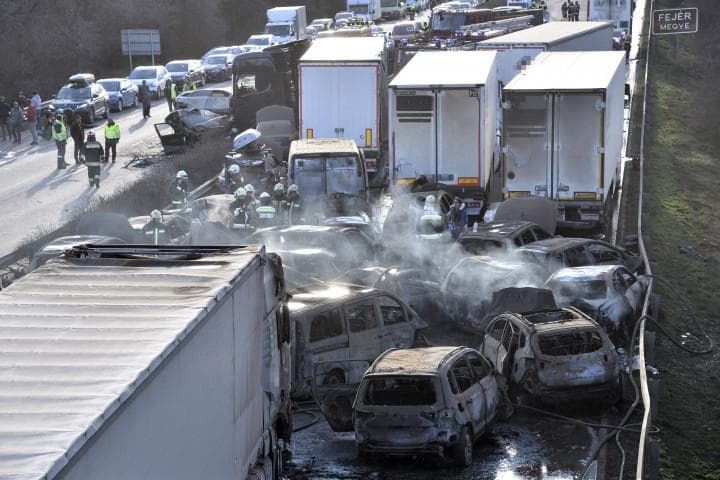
(328, 166)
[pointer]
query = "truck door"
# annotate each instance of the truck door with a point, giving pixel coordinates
(413, 145)
(526, 145)
(578, 159)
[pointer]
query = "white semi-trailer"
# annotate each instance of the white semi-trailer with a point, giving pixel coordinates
(287, 24)
(619, 12)
(368, 9)
(442, 108)
(120, 362)
(563, 133)
(343, 95)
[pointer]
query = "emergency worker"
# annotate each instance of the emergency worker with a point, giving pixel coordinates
(233, 180)
(293, 206)
(243, 214)
(93, 153)
(265, 212)
(564, 10)
(112, 137)
(60, 135)
(432, 224)
(180, 191)
(457, 218)
(155, 232)
(251, 193)
(278, 200)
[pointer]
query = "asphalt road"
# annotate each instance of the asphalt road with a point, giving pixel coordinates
(36, 196)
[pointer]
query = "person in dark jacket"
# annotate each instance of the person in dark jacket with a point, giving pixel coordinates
(78, 135)
(16, 119)
(155, 232)
(145, 97)
(93, 152)
(4, 117)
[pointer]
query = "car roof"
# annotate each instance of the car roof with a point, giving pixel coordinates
(488, 261)
(413, 361)
(555, 319)
(116, 79)
(188, 60)
(588, 272)
(496, 229)
(310, 296)
(557, 243)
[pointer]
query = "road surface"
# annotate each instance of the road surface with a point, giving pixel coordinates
(37, 197)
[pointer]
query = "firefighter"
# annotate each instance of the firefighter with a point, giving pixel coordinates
(233, 180)
(93, 153)
(60, 135)
(154, 232)
(278, 200)
(627, 45)
(293, 206)
(180, 191)
(457, 218)
(432, 224)
(251, 193)
(564, 10)
(265, 212)
(243, 213)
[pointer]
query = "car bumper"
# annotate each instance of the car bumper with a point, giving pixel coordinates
(216, 75)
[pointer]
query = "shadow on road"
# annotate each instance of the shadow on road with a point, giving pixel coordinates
(139, 124)
(43, 183)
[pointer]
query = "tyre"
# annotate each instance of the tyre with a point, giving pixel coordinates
(106, 115)
(120, 105)
(134, 104)
(335, 377)
(203, 81)
(91, 117)
(158, 94)
(462, 450)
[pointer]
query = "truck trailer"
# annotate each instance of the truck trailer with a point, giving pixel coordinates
(392, 9)
(342, 86)
(442, 108)
(619, 12)
(563, 133)
(287, 24)
(367, 9)
(124, 362)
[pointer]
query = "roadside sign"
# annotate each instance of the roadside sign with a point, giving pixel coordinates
(675, 21)
(140, 41)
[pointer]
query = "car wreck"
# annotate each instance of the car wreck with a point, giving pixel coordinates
(434, 401)
(185, 127)
(553, 355)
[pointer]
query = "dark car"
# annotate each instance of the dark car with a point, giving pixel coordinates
(504, 235)
(185, 126)
(190, 72)
(217, 68)
(556, 253)
(83, 95)
(121, 91)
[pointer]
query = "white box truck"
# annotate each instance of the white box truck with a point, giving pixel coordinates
(518, 49)
(368, 9)
(442, 108)
(619, 12)
(392, 9)
(343, 94)
(123, 362)
(563, 133)
(287, 24)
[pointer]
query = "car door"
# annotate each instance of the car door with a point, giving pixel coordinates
(362, 327)
(485, 377)
(507, 349)
(492, 342)
(469, 396)
(98, 101)
(326, 342)
(396, 331)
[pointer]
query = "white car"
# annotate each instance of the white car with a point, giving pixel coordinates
(155, 76)
(257, 43)
(213, 99)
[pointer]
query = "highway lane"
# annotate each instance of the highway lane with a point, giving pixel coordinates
(36, 196)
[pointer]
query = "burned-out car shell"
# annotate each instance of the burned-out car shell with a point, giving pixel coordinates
(559, 252)
(434, 400)
(340, 329)
(493, 235)
(556, 354)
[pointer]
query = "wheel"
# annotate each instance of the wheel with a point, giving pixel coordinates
(134, 104)
(91, 117)
(120, 105)
(158, 94)
(462, 450)
(335, 377)
(106, 115)
(203, 81)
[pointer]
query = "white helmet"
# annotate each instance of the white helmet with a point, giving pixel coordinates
(249, 188)
(245, 138)
(234, 169)
(264, 195)
(293, 188)
(181, 174)
(240, 193)
(156, 215)
(279, 187)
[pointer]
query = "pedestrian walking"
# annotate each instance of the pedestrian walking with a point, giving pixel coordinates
(112, 137)
(60, 135)
(145, 98)
(36, 102)
(16, 119)
(93, 153)
(32, 120)
(170, 94)
(4, 117)
(78, 135)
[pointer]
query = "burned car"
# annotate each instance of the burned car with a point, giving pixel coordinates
(610, 294)
(338, 323)
(435, 401)
(486, 237)
(185, 127)
(559, 252)
(555, 354)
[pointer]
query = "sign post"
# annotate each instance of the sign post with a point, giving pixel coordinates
(140, 41)
(675, 21)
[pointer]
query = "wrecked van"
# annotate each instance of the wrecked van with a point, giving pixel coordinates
(343, 328)
(556, 354)
(435, 401)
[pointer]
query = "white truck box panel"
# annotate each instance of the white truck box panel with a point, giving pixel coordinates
(526, 166)
(459, 136)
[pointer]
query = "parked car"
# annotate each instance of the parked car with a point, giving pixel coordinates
(434, 401)
(340, 329)
(155, 76)
(407, 31)
(554, 354)
(487, 237)
(218, 68)
(260, 42)
(190, 72)
(121, 92)
(610, 294)
(343, 15)
(322, 24)
(556, 253)
(213, 99)
(84, 96)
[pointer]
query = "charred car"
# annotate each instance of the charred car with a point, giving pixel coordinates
(435, 401)
(340, 329)
(185, 127)
(486, 237)
(559, 252)
(610, 294)
(555, 354)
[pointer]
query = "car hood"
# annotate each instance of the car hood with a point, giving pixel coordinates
(175, 75)
(69, 103)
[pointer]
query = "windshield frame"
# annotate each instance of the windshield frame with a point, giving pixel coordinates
(86, 93)
(323, 178)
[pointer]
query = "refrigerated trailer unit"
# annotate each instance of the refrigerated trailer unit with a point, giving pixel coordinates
(124, 362)
(342, 85)
(518, 49)
(442, 108)
(563, 132)
(619, 12)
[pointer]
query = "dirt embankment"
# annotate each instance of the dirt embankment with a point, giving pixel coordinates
(682, 153)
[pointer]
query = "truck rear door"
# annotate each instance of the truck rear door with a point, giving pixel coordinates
(413, 147)
(459, 137)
